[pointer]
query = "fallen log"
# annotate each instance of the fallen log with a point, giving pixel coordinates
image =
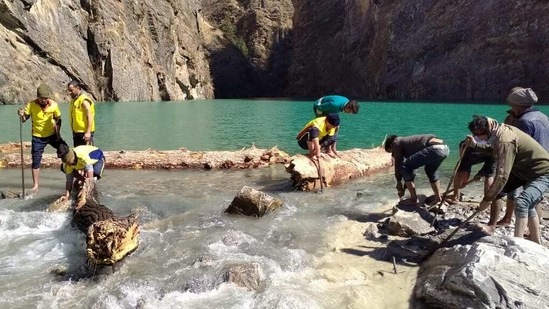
(171, 159)
(352, 163)
(109, 238)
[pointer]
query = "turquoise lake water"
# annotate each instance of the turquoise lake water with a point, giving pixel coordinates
(233, 124)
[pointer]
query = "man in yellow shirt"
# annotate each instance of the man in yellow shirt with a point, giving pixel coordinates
(46, 121)
(80, 162)
(82, 113)
(320, 133)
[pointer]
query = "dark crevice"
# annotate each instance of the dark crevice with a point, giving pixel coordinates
(152, 28)
(9, 21)
(85, 4)
(161, 80)
(110, 94)
(27, 5)
(97, 61)
(186, 89)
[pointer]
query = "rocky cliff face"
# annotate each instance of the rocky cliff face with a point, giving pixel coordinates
(425, 49)
(173, 50)
(121, 50)
(251, 55)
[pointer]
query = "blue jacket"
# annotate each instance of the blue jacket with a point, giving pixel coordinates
(532, 122)
(329, 104)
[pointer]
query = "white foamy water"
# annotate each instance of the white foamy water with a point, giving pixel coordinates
(186, 241)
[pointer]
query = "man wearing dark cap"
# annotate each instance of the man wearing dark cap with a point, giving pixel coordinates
(530, 121)
(86, 158)
(412, 152)
(46, 121)
(320, 133)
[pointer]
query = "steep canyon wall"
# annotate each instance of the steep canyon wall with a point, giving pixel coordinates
(120, 50)
(419, 50)
(127, 50)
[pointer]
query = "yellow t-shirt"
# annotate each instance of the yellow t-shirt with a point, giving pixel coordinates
(86, 157)
(79, 120)
(320, 124)
(43, 120)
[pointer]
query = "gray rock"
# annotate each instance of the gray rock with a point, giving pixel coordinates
(243, 275)
(419, 49)
(493, 272)
(408, 223)
(251, 202)
(371, 232)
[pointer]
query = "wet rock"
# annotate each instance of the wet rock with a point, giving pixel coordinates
(493, 272)
(243, 275)
(200, 285)
(408, 223)
(411, 250)
(371, 232)
(203, 261)
(59, 271)
(251, 202)
(9, 194)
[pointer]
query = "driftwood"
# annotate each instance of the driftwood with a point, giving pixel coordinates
(13, 147)
(109, 238)
(352, 163)
(171, 159)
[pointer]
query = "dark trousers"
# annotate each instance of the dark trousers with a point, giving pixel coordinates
(325, 142)
(38, 145)
(78, 139)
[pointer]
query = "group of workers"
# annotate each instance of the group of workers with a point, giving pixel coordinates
(514, 155)
(78, 163)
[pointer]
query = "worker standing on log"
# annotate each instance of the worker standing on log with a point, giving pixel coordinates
(88, 159)
(334, 104)
(320, 133)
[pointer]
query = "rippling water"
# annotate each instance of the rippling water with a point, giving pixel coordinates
(182, 220)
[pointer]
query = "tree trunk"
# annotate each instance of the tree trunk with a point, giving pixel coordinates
(352, 163)
(109, 238)
(168, 159)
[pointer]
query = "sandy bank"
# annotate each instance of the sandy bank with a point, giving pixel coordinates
(357, 268)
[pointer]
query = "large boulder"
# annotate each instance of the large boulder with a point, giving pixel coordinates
(491, 273)
(409, 223)
(251, 202)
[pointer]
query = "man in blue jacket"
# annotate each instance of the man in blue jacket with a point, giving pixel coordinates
(334, 104)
